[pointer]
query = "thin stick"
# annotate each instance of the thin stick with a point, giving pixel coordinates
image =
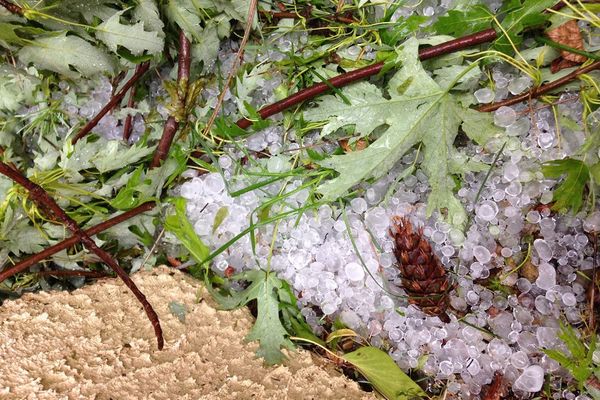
(65, 244)
(171, 125)
(127, 126)
(11, 7)
(234, 67)
(370, 70)
(73, 273)
(112, 103)
(536, 92)
(53, 211)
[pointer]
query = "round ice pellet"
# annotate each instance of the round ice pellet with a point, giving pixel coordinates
(482, 254)
(487, 210)
(354, 272)
(504, 116)
(484, 95)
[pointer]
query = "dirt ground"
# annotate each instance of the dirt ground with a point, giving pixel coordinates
(96, 343)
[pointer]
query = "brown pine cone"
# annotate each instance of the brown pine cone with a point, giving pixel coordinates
(424, 277)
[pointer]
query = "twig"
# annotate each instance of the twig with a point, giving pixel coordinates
(53, 211)
(11, 7)
(65, 244)
(130, 103)
(73, 273)
(236, 63)
(306, 15)
(536, 92)
(361, 73)
(171, 125)
(112, 103)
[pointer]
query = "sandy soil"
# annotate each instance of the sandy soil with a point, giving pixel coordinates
(96, 342)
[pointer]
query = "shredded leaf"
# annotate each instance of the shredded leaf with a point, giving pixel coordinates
(569, 194)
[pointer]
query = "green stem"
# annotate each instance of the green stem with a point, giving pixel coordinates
(570, 49)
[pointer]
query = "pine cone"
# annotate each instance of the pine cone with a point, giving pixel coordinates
(423, 275)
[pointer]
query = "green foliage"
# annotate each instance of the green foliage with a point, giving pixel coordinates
(418, 111)
(569, 194)
(273, 297)
(74, 52)
(579, 358)
(459, 23)
(180, 226)
(519, 16)
(384, 374)
(133, 37)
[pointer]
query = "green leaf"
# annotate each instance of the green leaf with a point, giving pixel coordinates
(222, 213)
(418, 111)
(384, 374)
(186, 16)
(459, 23)
(16, 87)
(133, 37)
(520, 16)
(268, 329)
(61, 53)
(569, 194)
(479, 126)
(147, 12)
(180, 226)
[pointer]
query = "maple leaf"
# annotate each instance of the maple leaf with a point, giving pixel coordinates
(267, 290)
(569, 194)
(133, 37)
(418, 111)
(60, 53)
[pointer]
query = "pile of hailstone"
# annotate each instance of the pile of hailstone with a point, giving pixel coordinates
(361, 286)
(358, 281)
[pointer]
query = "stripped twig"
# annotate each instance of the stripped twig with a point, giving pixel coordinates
(537, 92)
(112, 103)
(65, 244)
(370, 70)
(73, 273)
(130, 103)
(183, 78)
(234, 66)
(53, 211)
(11, 7)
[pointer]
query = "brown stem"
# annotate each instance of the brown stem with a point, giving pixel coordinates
(65, 244)
(370, 70)
(72, 273)
(536, 92)
(112, 103)
(294, 15)
(127, 126)
(11, 7)
(171, 126)
(53, 211)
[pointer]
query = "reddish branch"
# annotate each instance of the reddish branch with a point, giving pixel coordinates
(130, 103)
(113, 102)
(11, 7)
(73, 273)
(53, 211)
(306, 14)
(183, 77)
(536, 92)
(361, 73)
(65, 244)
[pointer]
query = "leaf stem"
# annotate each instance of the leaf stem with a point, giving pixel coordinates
(370, 70)
(183, 78)
(112, 103)
(570, 49)
(127, 126)
(536, 92)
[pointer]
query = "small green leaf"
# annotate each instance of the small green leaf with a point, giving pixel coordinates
(569, 194)
(180, 226)
(219, 217)
(178, 310)
(340, 333)
(460, 23)
(384, 374)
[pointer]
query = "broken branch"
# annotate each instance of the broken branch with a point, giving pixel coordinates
(112, 103)
(171, 125)
(45, 202)
(536, 92)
